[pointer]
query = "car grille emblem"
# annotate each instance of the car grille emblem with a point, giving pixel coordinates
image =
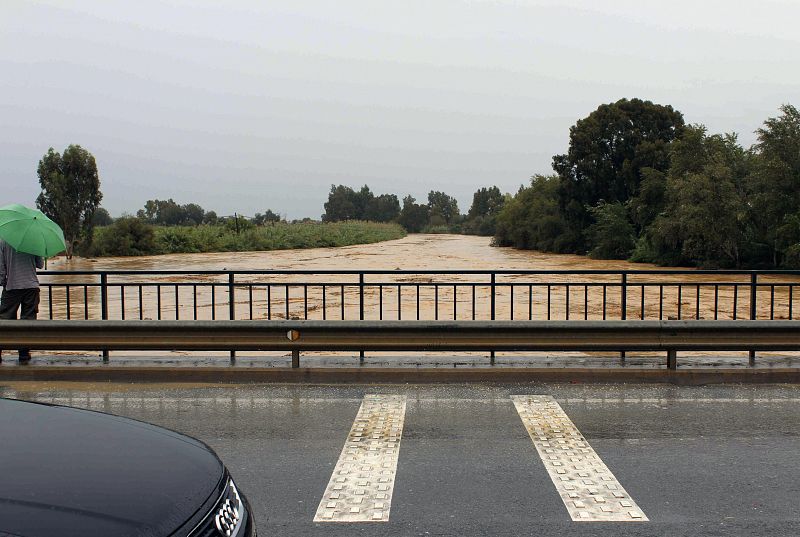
(229, 515)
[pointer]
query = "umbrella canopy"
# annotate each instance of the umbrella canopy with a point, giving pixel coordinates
(30, 231)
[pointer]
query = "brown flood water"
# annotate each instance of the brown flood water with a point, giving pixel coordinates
(414, 252)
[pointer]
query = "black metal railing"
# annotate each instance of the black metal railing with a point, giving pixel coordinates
(419, 295)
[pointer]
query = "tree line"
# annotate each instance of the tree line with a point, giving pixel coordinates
(439, 214)
(638, 183)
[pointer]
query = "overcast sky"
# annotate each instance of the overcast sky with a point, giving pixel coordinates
(265, 104)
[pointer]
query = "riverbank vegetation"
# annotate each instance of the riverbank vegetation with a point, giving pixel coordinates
(639, 184)
(130, 236)
(439, 215)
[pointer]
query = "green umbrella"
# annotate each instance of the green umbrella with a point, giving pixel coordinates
(30, 231)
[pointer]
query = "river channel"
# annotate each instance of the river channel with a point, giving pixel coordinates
(416, 251)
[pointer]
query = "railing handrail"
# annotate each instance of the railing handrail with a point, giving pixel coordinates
(395, 335)
(356, 272)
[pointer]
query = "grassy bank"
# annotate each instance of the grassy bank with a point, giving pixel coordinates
(132, 237)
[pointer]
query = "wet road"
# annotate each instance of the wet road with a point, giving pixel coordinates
(696, 461)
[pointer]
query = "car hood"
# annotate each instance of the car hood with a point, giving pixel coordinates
(65, 471)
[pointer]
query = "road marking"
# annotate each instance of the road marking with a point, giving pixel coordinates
(360, 489)
(587, 487)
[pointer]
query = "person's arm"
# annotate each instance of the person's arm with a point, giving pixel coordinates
(39, 262)
(3, 268)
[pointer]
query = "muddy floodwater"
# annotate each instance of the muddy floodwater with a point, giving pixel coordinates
(419, 251)
(405, 296)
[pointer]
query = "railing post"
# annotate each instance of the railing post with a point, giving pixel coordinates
(753, 311)
(231, 305)
(361, 308)
(493, 302)
(672, 359)
(104, 305)
(623, 297)
(623, 305)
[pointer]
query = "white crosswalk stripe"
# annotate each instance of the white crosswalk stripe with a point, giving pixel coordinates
(360, 489)
(589, 490)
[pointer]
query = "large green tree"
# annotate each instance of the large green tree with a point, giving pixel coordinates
(649, 202)
(414, 216)
(705, 215)
(361, 200)
(101, 218)
(344, 203)
(383, 208)
(607, 152)
(169, 213)
(486, 202)
(268, 217)
(443, 208)
(774, 188)
(70, 192)
(482, 215)
(340, 205)
(532, 219)
(612, 235)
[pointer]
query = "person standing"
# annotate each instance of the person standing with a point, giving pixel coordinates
(20, 286)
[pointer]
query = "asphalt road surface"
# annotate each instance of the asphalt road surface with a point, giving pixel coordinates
(719, 460)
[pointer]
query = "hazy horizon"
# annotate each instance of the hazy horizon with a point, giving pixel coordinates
(252, 107)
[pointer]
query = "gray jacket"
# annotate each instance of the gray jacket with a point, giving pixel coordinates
(18, 269)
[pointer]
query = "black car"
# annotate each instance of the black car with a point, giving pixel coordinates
(71, 472)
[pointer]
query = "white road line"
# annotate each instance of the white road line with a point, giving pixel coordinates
(360, 489)
(589, 490)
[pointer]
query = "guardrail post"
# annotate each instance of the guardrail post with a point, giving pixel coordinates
(231, 305)
(104, 305)
(753, 310)
(623, 306)
(672, 359)
(361, 308)
(493, 301)
(295, 359)
(623, 297)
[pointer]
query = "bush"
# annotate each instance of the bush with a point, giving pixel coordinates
(485, 226)
(791, 257)
(612, 235)
(438, 229)
(531, 219)
(126, 236)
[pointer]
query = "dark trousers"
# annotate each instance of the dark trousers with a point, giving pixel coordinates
(25, 300)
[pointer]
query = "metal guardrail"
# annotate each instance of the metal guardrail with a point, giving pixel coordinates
(420, 294)
(297, 336)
